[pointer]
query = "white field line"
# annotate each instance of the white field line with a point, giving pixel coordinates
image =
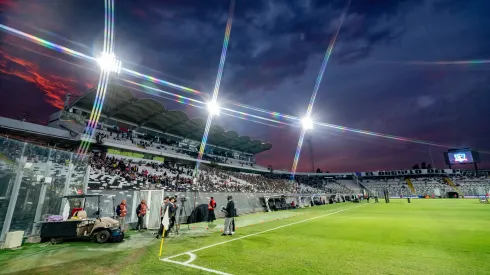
(193, 256)
(196, 267)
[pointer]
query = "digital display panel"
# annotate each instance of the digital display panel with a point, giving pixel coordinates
(460, 157)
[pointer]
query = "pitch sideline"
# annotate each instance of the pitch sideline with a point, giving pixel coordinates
(193, 256)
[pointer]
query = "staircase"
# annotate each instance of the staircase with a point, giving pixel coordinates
(451, 183)
(410, 185)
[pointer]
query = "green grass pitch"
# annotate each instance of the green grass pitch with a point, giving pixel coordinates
(424, 237)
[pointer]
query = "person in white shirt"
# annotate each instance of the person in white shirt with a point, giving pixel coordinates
(163, 208)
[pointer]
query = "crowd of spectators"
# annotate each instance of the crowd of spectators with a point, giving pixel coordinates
(149, 173)
(468, 184)
(129, 138)
(170, 176)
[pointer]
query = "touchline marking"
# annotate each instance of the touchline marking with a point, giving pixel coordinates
(167, 259)
(196, 266)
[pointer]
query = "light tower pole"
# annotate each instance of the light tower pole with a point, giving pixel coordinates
(312, 159)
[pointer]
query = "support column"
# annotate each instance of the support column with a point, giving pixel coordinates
(26, 200)
(85, 179)
(15, 194)
(147, 216)
(42, 196)
(67, 184)
(135, 204)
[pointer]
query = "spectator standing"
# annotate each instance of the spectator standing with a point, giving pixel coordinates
(163, 209)
(229, 217)
(141, 211)
(121, 212)
(211, 207)
(172, 209)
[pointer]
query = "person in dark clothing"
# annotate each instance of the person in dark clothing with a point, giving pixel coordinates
(141, 212)
(172, 210)
(229, 217)
(211, 207)
(162, 214)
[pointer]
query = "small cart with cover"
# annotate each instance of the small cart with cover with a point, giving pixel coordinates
(79, 226)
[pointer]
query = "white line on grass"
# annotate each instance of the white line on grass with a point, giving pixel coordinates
(193, 256)
(196, 267)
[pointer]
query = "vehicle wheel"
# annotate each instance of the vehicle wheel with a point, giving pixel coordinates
(102, 236)
(56, 240)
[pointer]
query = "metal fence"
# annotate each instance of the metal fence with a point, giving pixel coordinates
(245, 203)
(33, 180)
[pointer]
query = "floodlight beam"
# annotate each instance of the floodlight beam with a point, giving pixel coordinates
(307, 123)
(214, 108)
(109, 63)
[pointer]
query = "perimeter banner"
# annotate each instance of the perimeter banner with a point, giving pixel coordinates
(413, 172)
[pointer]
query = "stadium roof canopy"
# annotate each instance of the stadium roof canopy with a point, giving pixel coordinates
(122, 105)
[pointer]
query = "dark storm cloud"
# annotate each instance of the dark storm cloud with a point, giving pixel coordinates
(274, 55)
(446, 104)
(270, 41)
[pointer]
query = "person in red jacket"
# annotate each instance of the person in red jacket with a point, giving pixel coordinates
(141, 212)
(121, 212)
(211, 207)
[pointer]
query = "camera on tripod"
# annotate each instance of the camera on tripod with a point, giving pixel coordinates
(183, 199)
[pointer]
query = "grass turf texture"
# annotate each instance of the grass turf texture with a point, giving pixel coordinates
(424, 237)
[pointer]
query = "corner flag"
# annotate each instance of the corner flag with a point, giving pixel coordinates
(166, 220)
(165, 223)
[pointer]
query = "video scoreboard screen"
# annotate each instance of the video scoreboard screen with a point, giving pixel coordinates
(463, 156)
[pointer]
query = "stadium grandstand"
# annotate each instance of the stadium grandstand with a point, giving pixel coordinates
(144, 125)
(140, 148)
(133, 157)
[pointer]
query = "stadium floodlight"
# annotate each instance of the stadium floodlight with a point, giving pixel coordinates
(307, 123)
(214, 108)
(108, 63)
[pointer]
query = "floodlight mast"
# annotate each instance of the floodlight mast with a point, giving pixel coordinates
(109, 63)
(214, 108)
(307, 123)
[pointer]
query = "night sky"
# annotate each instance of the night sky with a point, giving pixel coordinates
(275, 52)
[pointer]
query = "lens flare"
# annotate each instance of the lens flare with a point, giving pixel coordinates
(46, 43)
(442, 62)
(328, 53)
(160, 81)
(216, 85)
(108, 63)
